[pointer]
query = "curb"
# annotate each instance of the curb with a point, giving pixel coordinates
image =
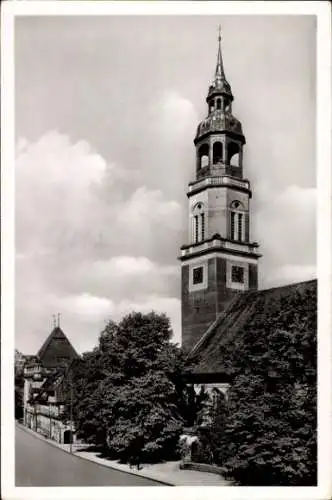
(55, 445)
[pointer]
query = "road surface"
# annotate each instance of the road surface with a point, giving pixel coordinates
(38, 463)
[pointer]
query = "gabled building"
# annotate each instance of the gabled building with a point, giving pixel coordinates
(44, 399)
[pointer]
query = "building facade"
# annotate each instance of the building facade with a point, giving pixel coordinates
(44, 399)
(219, 260)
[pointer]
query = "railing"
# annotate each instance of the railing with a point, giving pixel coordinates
(216, 181)
(217, 243)
(32, 370)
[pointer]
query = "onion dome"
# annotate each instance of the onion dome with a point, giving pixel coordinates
(218, 121)
(219, 99)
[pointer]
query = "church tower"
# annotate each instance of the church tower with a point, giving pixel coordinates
(219, 260)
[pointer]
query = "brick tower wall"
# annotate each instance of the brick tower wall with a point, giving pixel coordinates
(200, 308)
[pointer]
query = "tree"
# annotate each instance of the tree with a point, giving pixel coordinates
(79, 392)
(269, 436)
(131, 391)
(19, 385)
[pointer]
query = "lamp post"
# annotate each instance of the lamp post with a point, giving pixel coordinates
(49, 411)
(71, 413)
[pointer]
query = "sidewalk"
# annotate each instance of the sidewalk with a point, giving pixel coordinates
(168, 473)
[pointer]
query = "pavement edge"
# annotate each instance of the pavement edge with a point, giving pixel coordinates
(55, 445)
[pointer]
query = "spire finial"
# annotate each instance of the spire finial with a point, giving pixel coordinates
(220, 75)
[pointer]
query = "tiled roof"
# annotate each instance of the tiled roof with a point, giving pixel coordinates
(56, 350)
(230, 326)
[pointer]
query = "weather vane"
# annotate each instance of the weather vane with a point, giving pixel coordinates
(219, 31)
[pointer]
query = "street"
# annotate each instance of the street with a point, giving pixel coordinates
(38, 463)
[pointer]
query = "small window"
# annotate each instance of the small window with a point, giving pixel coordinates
(237, 274)
(232, 225)
(197, 275)
(196, 228)
(240, 232)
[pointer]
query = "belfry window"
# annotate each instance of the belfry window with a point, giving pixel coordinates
(237, 221)
(218, 103)
(198, 230)
(217, 152)
(233, 154)
(203, 156)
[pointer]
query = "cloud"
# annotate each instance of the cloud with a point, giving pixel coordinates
(85, 306)
(96, 239)
(286, 274)
(84, 245)
(285, 222)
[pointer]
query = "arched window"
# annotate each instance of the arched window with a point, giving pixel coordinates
(211, 106)
(198, 229)
(203, 156)
(217, 152)
(218, 103)
(237, 221)
(233, 154)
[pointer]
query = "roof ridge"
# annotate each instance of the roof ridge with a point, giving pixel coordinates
(296, 284)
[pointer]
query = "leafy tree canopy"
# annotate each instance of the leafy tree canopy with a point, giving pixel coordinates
(269, 436)
(128, 390)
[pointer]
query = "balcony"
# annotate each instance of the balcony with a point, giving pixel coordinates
(223, 180)
(32, 370)
(219, 244)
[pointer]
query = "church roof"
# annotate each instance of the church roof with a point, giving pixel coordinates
(247, 313)
(56, 350)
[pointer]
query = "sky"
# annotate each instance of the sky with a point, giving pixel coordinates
(106, 109)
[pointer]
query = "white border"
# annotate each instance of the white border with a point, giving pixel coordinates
(322, 11)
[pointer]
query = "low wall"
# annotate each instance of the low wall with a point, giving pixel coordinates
(213, 469)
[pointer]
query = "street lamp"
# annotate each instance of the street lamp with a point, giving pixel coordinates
(71, 412)
(49, 411)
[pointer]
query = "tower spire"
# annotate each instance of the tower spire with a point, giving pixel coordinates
(220, 74)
